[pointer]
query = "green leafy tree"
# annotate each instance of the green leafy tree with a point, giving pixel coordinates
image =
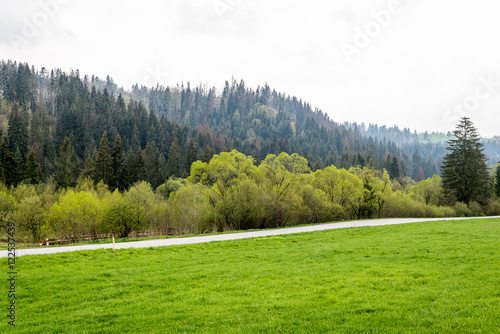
(123, 217)
(76, 214)
(430, 191)
(464, 169)
(30, 215)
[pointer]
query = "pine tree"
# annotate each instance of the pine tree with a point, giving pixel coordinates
(102, 168)
(464, 169)
(116, 180)
(130, 174)
(191, 156)
(497, 184)
(139, 167)
(18, 130)
(8, 166)
(32, 175)
(88, 169)
(174, 162)
(67, 169)
(154, 173)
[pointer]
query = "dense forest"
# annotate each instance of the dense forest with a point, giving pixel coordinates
(167, 128)
(81, 157)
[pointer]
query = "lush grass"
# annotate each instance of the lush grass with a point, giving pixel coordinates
(440, 277)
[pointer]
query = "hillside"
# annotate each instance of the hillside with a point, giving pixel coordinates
(182, 124)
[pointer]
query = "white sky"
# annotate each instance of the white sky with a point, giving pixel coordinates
(423, 68)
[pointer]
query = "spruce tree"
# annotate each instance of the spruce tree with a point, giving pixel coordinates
(8, 165)
(154, 173)
(174, 162)
(139, 167)
(102, 168)
(88, 169)
(32, 175)
(464, 169)
(116, 180)
(67, 169)
(18, 130)
(191, 156)
(497, 183)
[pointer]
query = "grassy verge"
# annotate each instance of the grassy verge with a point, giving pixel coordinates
(438, 277)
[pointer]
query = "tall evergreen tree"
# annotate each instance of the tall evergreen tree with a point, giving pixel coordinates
(139, 167)
(191, 156)
(174, 162)
(102, 168)
(8, 165)
(116, 180)
(88, 169)
(67, 168)
(464, 169)
(497, 183)
(32, 174)
(18, 130)
(154, 172)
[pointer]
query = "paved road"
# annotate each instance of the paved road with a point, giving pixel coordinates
(231, 236)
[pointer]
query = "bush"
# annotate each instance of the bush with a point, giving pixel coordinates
(475, 209)
(492, 208)
(76, 214)
(189, 206)
(461, 210)
(30, 216)
(123, 217)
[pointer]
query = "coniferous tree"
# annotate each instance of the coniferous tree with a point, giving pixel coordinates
(139, 167)
(464, 169)
(174, 162)
(18, 130)
(8, 166)
(18, 171)
(191, 156)
(153, 169)
(88, 168)
(32, 175)
(116, 180)
(102, 168)
(129, 172)
(67, 169)
(497, 183)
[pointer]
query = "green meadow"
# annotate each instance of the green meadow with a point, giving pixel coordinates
(434, 277)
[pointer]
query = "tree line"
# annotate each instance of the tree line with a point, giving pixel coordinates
(40, 108)
(230, 192)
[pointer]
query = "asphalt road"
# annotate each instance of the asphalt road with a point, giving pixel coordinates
(229, 236)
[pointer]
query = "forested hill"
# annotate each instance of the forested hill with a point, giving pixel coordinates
(162, 130)
(431, 145)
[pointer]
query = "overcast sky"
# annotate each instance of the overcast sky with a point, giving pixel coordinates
(420, 64)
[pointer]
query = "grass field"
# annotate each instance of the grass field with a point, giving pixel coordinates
(440, 277)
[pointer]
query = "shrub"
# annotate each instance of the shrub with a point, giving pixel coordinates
(475, 209)
(461, 210)
(123, 217)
